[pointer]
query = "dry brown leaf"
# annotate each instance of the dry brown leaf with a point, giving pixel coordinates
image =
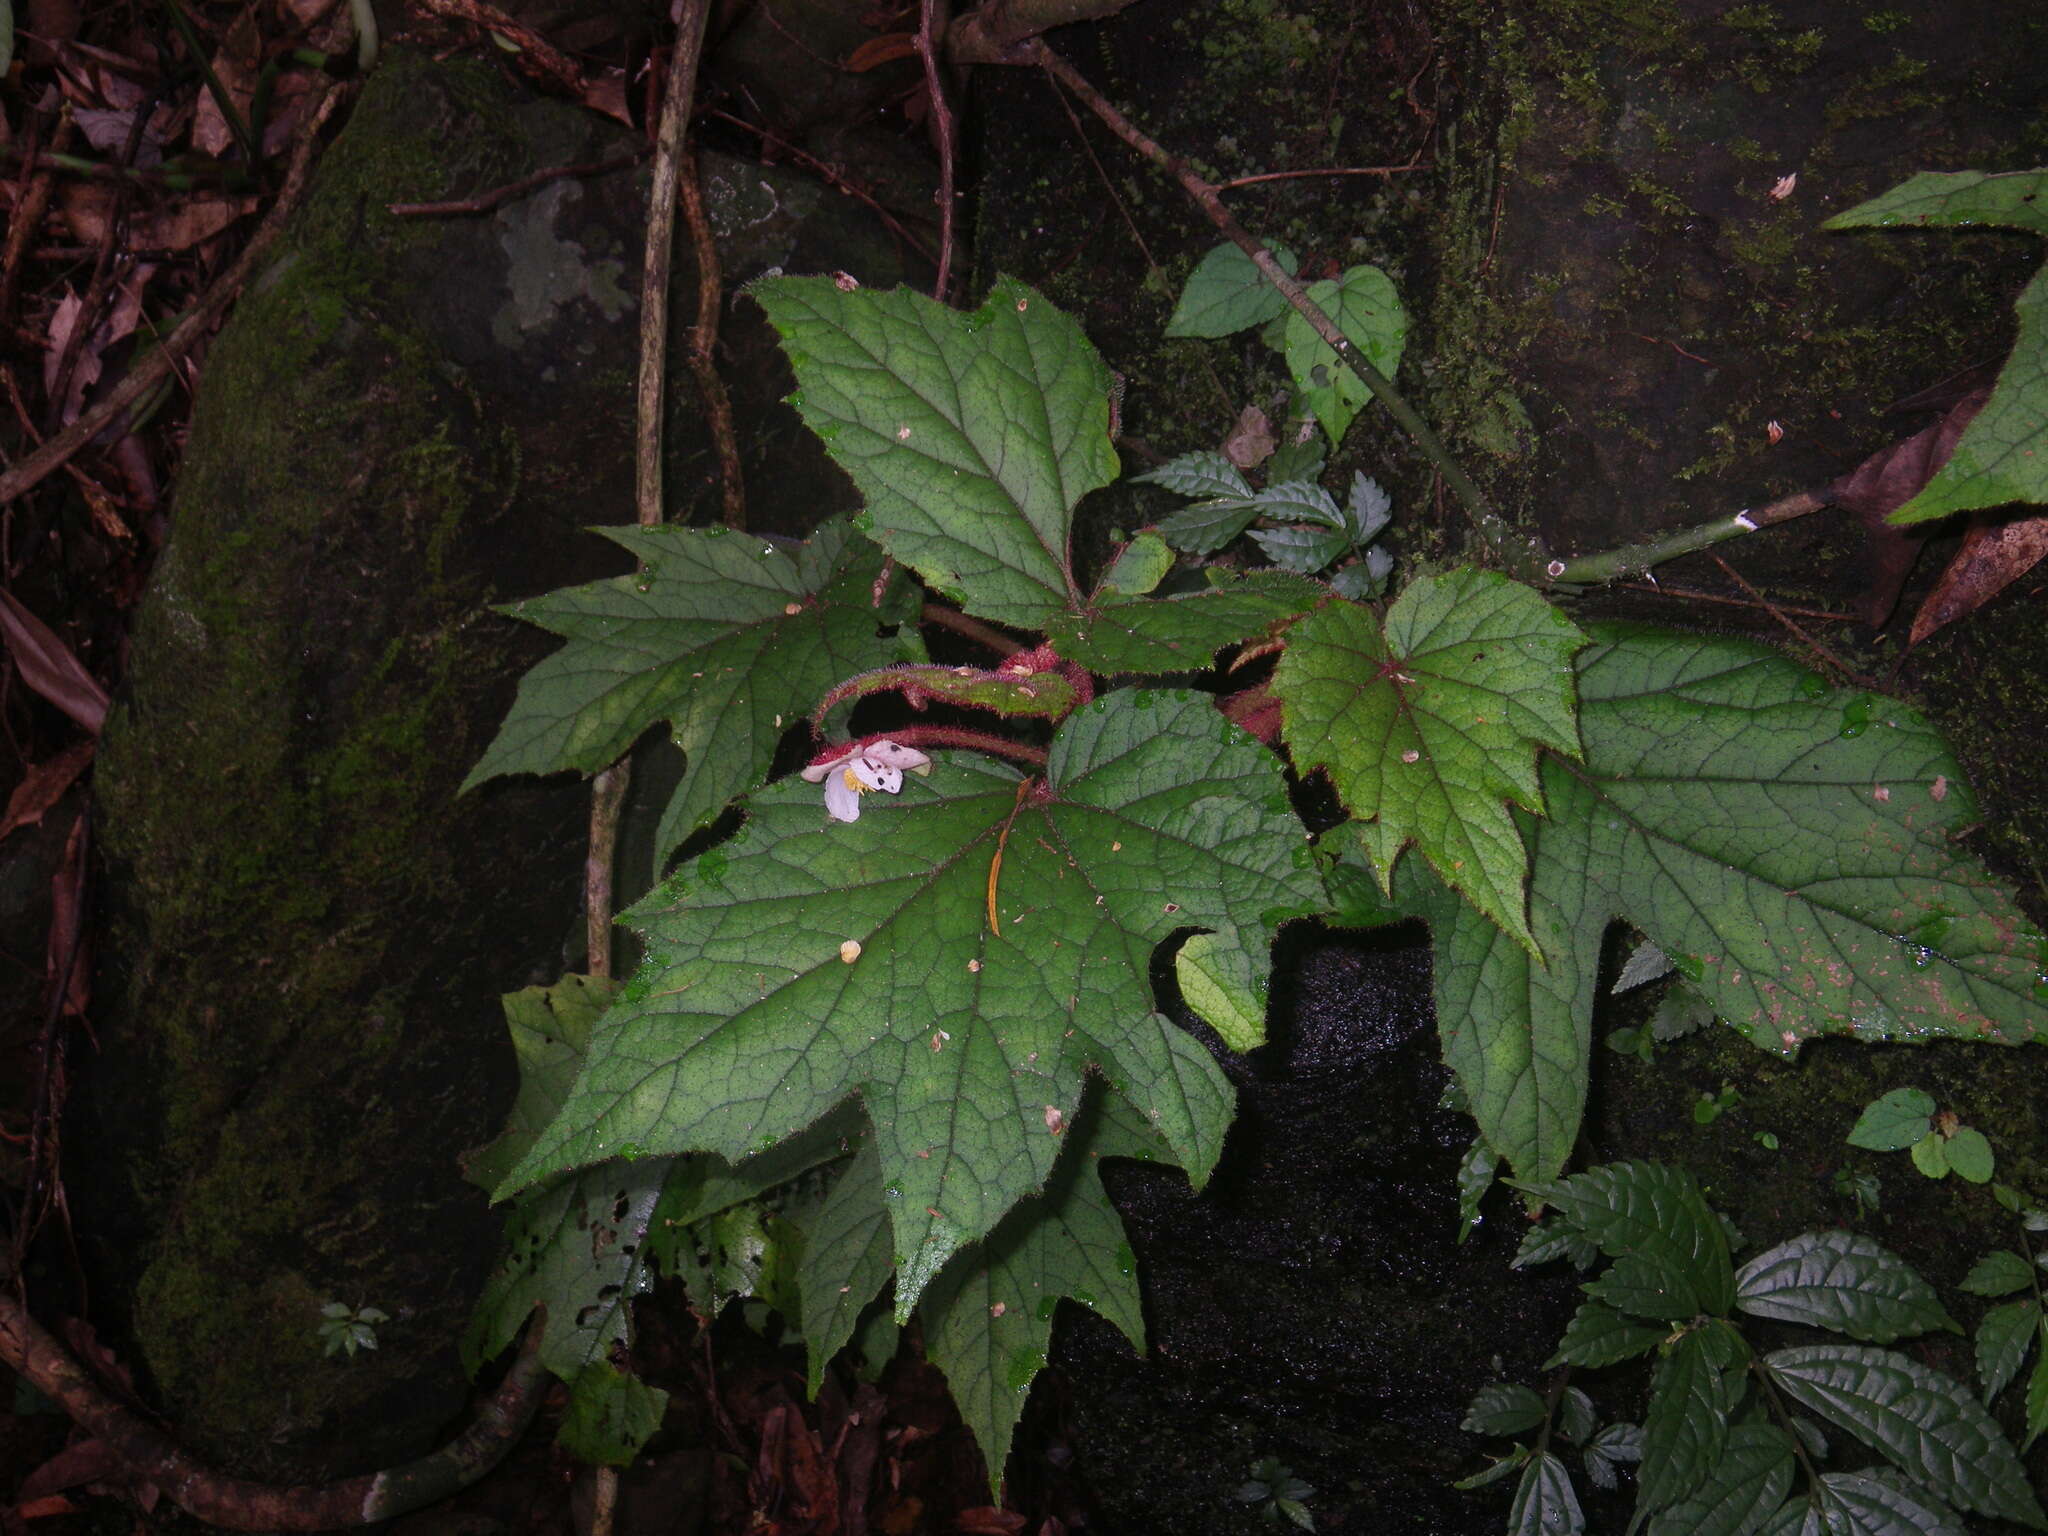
(987, 1520)
(877, 51)
(44, 785)
(64, 324)
(53, 20)
(1255, 709)
(1993, 557)
(605, 93)
(84, 206)
(48, 667)
(1883, 483)
(236, 66)
(1251, 441)
(190, 221)
(68, 954)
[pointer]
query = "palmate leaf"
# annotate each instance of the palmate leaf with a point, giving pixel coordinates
(988, 1316)
(585, 1244)
(1789, 851)
(1926, 1424)
(971, 436)
(579, 1246)
(1430, 725)
(550, 1029)
(729, 638)
(2002, 455)
(811, 960)
(1793, 860)
(846, 1259)
(610, 1415)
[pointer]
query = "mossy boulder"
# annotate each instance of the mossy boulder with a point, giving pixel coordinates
(406, 421)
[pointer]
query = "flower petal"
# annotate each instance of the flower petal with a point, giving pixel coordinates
(842, 800)
(818, 772)
(888, 754)
(876, 774)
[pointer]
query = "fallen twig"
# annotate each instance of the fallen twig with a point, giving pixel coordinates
(30, 204)
(1331, 170)
(540, 56)
(484, 202)
(1635, 559)
(1820, 652)
(1695, 595)
(237, 1505)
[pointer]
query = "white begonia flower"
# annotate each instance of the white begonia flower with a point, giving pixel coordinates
(862, 767)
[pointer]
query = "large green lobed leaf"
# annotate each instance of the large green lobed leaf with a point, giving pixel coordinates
(729, 638)
(988, 1316)
(1789, 847)
(1429, 725)
(970, 436)
(811, 960)
(2002, 455)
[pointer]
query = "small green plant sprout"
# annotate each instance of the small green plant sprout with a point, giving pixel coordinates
(1729, 1428)
(1277, 1493)
(2012, 1277)
(1227, 293)
(1864, 1189)
(1299, 525)
(1679, 1012)
(1545, 1499)
(1907, 1119)
(345, 1329)
(1709, 1107)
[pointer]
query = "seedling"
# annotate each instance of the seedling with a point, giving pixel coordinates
(1906, 1119)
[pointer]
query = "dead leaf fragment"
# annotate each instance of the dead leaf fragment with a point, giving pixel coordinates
(877, 51)
(1886, 481)
(44, 785)
(48, 666)
(1993, 557)
(1252, 441)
